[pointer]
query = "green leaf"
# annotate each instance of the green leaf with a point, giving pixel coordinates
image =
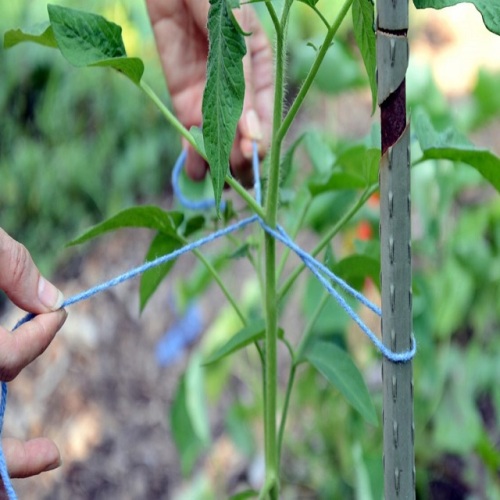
(364, 32)
(337, 180)
(41, 34)
(451, 145)
(319, 151)
(224, 92)
(87, 39)
(162, 244)
(311, 3)
(355, 168)
(144, 216)
(248, 335)
(244, 495)
(355, 268)
(193, 225)
(337, 367)
(489, 9)
(195, 398)
(197, 134)
(188, 443)
(286, 164)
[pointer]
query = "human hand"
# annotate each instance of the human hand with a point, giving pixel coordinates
(182, 40)
(25, 287)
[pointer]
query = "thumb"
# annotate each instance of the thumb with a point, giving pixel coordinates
(21, 280)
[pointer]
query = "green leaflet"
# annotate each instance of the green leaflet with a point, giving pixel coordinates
(451, 145)
(246, 336)
(187, 441)
(41, 33)
(84, 39)
(354, 168)
(162, 244)
(337, 367)
(224, 91)
(146, 216)
(356, 268)
(363, 14)
(489, 9)
(311, 3)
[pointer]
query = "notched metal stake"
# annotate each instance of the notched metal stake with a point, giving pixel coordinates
(395, 243)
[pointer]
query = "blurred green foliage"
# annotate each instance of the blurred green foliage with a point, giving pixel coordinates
(76, 145)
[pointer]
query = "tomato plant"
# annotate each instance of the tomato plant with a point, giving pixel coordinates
(343, 180)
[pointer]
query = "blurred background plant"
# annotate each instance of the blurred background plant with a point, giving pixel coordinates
(75, 147)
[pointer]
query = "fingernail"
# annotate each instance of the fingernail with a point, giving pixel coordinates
(53, 465)
(49, 295)
(253, 125)
(246, 149)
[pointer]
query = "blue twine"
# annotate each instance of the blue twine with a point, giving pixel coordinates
(319, 270)
(184, 200)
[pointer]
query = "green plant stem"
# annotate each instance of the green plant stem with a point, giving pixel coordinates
(243, 193)
(321, 16)
(274, 17)
(216, 276)
(271, 306)
(332, 31)
(296, 360)
(327, 238)
(286, 404)
(179, 127)
(171, 118)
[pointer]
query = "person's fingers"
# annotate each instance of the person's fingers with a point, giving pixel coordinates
(196, 167)
(25, 459)
(21, 280)
(20, 348)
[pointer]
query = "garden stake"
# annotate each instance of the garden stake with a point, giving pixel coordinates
(395, 242)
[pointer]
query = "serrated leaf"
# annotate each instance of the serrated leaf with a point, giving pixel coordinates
(41, 34)
(337, 367)
(224, 92)
(246, 336)
(450, 145)
(363, 14)
(489, 10)
(87, 39)
(162, 244)
(144, 216)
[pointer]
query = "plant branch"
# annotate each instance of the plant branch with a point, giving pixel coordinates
(216, 276)
(274, 17)
(171, 118)
(332, 31)
(296, 360)
(327, 238)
